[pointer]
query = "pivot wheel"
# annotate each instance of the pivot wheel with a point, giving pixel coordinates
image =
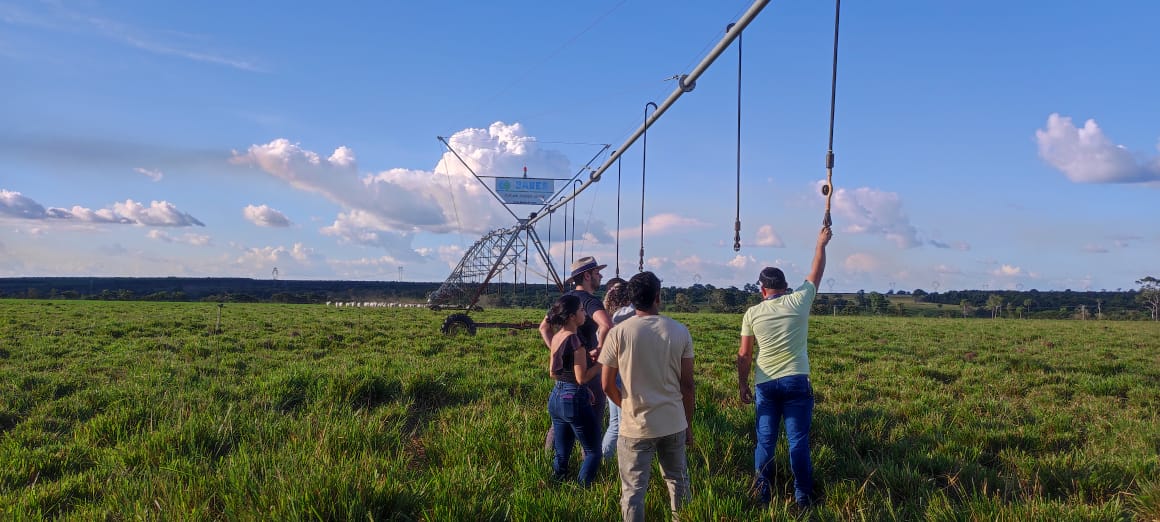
(457, 324)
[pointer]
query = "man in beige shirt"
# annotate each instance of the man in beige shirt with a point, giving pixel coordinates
(653, 355)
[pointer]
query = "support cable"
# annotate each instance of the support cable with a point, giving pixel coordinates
(643, 170)
(828, 188)
(737, 218)
(617, 216)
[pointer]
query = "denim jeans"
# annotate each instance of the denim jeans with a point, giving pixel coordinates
(572, 420)
(608, 445)
(634, 458)
(791, 398)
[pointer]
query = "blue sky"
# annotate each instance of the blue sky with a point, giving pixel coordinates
(980, 145)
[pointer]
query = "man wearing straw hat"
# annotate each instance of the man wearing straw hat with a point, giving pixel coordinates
(586, 277)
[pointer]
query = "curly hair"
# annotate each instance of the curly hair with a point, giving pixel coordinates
(562, 309)
(617, 297)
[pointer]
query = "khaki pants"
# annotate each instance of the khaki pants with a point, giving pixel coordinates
(635, 456)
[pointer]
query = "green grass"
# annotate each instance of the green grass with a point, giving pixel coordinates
(122, 410)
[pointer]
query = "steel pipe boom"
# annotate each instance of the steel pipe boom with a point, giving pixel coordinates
(685, 83)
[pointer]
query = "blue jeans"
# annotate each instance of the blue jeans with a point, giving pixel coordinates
(572, 420)
(608, 445)
(791, 398)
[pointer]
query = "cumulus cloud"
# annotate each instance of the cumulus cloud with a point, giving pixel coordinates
(15, 204)
(265, 216)
(265, 257)
(739, 261)
(861, 262)
(396, 203)
(1086, 155)
(157, 214)
(152, 174)
(875, 212)
(767, 237)
(1007, 271)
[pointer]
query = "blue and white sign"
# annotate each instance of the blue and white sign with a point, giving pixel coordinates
(524, 191)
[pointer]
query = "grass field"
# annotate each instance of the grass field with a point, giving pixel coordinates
(131, 410)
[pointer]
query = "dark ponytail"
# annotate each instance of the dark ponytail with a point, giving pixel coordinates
(564, 308)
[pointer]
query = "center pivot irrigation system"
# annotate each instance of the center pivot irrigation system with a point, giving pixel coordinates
(503, 248)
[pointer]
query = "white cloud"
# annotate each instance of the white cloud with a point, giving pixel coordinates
(767, 237)
(1086, 155)
(1095, 249)
(265, 258)
(385, 209)
(1007, 271)
(742, 262)
(188, 239)
(153, 174)
(15, 204)
(668, 222)
(157, 214)
(870, 211)
(265, 216)
(861, 262)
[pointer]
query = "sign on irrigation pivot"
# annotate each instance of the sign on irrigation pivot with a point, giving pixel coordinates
(524, 191)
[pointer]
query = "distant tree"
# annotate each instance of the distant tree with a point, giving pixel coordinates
(995, 304)
(682, 303)
(878, 302)
(1150, 295)
(918, 295)
(965, 304)
(719, 301)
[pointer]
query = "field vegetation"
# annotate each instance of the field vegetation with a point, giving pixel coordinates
(134, 410)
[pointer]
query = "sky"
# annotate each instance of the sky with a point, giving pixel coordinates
(979, 145)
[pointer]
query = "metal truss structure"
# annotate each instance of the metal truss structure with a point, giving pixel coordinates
(490, 256)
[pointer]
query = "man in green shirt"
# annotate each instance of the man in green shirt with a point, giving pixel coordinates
(775, 330)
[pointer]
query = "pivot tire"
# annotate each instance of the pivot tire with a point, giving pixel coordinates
(457, 324)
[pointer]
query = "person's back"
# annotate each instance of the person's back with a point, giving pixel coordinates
(781, 327)
(650, 349)
(653, 357)
(775, 331)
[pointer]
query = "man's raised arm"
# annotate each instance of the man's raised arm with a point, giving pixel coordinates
(819, 265)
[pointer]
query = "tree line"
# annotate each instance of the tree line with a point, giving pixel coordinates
(1132, 304)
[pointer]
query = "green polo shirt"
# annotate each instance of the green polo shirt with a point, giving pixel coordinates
(781, 326)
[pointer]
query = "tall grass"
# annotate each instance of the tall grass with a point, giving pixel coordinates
(113, 410)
